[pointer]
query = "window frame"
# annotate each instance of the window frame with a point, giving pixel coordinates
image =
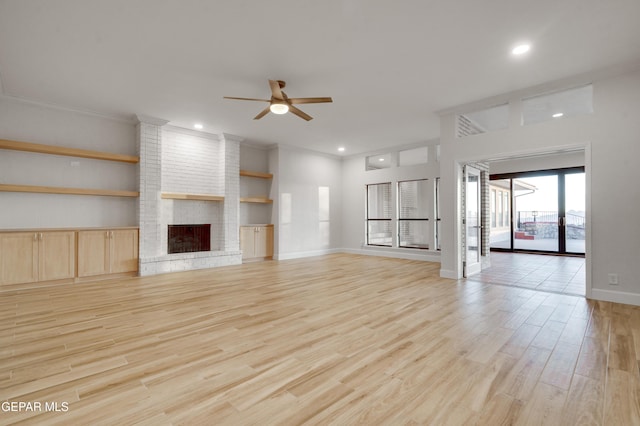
(370, 219)
(401, 220)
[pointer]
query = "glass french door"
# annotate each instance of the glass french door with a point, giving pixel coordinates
(540, 211)
(472, 221)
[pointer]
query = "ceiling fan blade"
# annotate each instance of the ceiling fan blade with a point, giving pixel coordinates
(299, 113)
(262, 114)
(275, 89)
(309, 100)
(246, 99)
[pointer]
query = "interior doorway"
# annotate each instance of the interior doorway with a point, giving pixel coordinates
(541, 211)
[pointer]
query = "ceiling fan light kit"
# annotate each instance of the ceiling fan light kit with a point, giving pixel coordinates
(279, 108)
(280, 103)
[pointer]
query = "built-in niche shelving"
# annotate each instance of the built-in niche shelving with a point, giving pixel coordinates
(69, 152)
(259, 175)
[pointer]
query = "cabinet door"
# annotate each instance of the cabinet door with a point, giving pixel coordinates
(93, 253)
(247, 241)
(18, 257)
(269, 231)
(264, 241)
(124, 250)
(56, 255)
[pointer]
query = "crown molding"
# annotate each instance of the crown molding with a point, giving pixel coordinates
(286, 147)
(230, 137)
(577, 80)
(147, 119)
(113, 117)
(191, 132)
(428, 143)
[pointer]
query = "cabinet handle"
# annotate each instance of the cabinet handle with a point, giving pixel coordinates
(35, 237)
(41, 236)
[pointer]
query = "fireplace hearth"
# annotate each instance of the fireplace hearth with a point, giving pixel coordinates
(189, 238)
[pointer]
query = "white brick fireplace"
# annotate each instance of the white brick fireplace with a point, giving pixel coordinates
(176, 166)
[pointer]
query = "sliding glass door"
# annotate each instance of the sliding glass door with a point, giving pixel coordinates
(539, 211)
(574, 222)
(536, 214)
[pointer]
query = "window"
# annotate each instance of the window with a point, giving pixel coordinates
(558, 105)
(410, 157)
(438, 212)
(499, 209)
(413, 214)
(493, 208)
(324, 224)
(505, 206)
(379, 211)
(380, 161)
(483, 121)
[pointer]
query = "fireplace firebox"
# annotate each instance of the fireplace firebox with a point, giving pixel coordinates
(189, 238)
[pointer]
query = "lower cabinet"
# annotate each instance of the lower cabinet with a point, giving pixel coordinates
(102, 252)
(27, 257)
(37, 256)
(256, 242)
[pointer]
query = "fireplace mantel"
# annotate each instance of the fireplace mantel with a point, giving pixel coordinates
(195, 197)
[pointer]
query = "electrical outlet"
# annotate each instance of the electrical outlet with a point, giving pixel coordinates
(613, 279)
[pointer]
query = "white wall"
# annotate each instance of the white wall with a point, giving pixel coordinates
(542, 162)
(299, 230)
(354, 181)
(611, 139)
(30, 122)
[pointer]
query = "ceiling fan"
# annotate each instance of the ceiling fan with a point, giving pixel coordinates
(280, 103)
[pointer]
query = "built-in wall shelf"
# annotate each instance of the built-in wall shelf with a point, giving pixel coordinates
(260, 200)
(195, 197)
(260, 175)
(69, 152)
(67, 191)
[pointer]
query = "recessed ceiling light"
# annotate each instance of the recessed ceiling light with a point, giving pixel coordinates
(557, 115)
(521, 49)
(341, 149)
(380, 159)
(198, 126)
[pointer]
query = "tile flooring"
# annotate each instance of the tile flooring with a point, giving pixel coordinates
(556, 274)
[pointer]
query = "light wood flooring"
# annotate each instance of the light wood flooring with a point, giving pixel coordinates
(338, 339)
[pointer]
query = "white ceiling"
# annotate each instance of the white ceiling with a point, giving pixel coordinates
(388, 65)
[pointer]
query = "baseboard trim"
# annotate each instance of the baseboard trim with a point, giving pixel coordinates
(615, 296)
(426, 257)
(302, 254)
(367, 252)
(449, 273)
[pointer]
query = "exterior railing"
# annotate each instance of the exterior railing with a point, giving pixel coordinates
(544, 224)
